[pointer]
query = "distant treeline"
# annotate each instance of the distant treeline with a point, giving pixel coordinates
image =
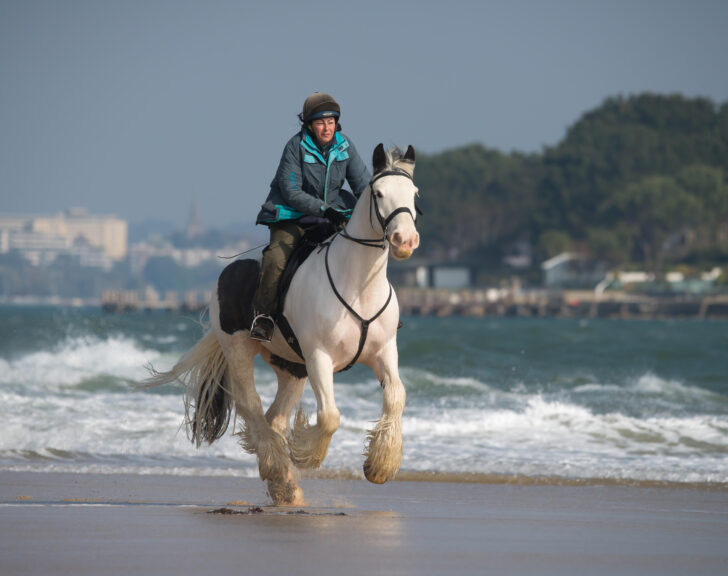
(639, 180)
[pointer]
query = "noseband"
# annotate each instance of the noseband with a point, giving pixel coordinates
(374, 207)
(384, 222)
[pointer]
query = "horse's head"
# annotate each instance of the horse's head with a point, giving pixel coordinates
(393, 193)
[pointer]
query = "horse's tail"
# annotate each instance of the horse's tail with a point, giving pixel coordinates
(204, 372)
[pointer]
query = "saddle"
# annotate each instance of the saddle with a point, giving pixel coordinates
(316, 233)
(238, 281)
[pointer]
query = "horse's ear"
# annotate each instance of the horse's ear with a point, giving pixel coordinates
(379, 158)
(410, 154)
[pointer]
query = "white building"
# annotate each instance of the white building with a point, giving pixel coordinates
(94, 240)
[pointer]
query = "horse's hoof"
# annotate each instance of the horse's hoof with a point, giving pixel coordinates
(373, 477)
(286, 494)
(293, 498)
(297, 498)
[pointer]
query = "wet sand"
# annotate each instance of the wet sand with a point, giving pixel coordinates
(55, 523)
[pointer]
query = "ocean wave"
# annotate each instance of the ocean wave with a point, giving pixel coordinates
(555, 423)
(138, 431)
(75, 407)
(416, 377)
(651, 384)
(75, 360)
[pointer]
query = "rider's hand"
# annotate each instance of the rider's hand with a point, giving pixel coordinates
(336, 218)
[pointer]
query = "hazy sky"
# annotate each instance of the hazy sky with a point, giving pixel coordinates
(137, 107)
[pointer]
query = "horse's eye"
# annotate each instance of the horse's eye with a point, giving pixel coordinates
(379, 194)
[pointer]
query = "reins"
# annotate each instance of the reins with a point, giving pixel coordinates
(370, 243)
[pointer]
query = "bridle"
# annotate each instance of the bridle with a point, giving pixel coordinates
(384, 222)
(374, 208)
(371, 243)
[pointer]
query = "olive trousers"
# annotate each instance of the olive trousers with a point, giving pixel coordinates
(284, 236)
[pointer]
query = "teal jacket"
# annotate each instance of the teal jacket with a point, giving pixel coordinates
(307, 183)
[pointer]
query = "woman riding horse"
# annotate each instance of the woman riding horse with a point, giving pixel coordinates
(350, 319)
(308, 183)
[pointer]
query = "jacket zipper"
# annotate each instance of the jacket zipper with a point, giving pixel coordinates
(327, 162)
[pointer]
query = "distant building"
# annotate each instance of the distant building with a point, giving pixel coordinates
(93, 240)
(141, 252)
(569, 270)
(422, 273)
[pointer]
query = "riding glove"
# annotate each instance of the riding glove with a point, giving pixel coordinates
(335, 217)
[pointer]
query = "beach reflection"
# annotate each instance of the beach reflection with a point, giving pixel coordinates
(381, 530)
(365, 536)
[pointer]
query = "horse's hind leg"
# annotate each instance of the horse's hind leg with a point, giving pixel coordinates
(384, 453)
(257, 436)
(291, 383)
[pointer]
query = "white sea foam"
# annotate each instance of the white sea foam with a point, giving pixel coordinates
(51, 421)
(75, 360)
(548, 437)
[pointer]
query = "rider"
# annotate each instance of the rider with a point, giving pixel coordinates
(307, 187)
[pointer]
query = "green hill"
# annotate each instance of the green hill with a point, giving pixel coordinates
(640, 180)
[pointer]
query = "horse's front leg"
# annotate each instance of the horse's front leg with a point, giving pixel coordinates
(384, 452)
(308, 444)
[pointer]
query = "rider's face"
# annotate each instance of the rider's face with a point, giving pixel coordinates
(324, 129)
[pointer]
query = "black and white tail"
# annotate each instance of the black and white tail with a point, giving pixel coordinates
(208, 404)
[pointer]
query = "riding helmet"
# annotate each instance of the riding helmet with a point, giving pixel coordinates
(320, 105)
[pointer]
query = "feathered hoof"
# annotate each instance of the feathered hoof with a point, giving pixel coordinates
(378, 476)
(307, 444)
(306, 460)
(285, 493)
(384, 453)
(272, 457)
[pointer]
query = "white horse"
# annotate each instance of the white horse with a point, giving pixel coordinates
(343, 310)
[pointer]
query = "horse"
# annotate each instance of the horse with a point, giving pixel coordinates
(352, 317)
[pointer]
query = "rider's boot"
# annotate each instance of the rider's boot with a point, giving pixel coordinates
(283, 238)
(262, 328)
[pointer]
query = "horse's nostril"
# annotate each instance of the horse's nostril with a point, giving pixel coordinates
(397, 239)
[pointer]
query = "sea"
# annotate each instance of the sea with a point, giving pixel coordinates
(542, 399)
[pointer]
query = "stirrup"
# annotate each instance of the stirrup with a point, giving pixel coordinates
(262, 328)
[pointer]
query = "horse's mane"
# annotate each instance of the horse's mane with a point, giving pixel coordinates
(395, 159)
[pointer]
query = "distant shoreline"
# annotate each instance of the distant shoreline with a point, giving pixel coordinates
(445, 303)
(561, 304)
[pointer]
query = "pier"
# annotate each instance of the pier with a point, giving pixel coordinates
(476, 303)
(561, 304)
(150, 300)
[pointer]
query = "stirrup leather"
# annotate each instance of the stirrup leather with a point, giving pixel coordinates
(262, 328)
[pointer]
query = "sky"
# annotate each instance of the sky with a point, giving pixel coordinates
(138, 108)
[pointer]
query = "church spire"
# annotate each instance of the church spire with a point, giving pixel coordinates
(194, 228)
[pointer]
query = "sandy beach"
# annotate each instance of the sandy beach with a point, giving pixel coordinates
(56, 523)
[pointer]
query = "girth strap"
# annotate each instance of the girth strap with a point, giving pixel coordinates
(364, 323)
(290, 336)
